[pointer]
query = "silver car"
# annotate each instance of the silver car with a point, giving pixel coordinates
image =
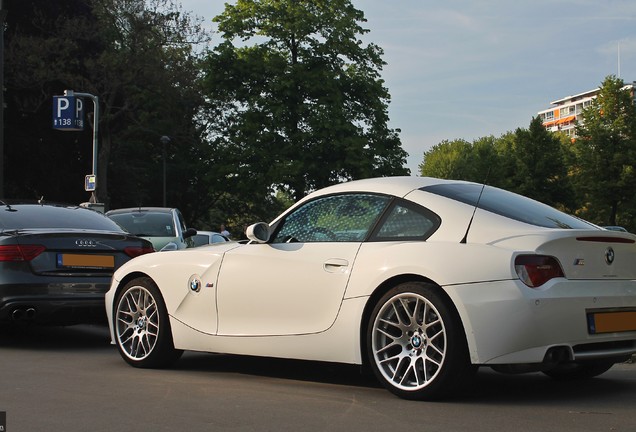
(203, 238)
(164, 227)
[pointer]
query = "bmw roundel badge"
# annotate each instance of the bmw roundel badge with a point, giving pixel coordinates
(194, 283)
(609, 256)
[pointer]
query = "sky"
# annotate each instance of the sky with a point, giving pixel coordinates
(465, 69)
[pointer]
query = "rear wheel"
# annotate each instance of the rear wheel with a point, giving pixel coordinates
(580, 370)
(142, 327)
(416, 343)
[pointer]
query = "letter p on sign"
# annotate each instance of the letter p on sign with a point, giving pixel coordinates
(68, 113)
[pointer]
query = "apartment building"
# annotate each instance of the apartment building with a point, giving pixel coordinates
(564, 113)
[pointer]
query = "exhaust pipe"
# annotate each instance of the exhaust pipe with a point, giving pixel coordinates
(23, 314)
(17, 314)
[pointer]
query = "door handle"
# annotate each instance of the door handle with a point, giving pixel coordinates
(336, 265)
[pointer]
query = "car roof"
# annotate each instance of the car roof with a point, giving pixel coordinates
(397, 186)
(141, 209)
(23, 216)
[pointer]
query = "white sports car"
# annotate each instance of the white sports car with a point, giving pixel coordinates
(419, 278)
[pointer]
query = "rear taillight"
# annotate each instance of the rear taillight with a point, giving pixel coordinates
(20, 252)
(535, 270)
(134, 251)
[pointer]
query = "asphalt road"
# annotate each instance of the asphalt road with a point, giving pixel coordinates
(72, 379)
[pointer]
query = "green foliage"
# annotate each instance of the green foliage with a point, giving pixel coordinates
(300, 108)
(289, 101)
(137, 57)
(299, 104)
(39, 57)
(593, 176)
(539, 169)
(529, 161)
(605, 156)
(448, 160)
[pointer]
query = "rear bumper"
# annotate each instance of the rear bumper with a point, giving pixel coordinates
(508, 323)
(54, 303)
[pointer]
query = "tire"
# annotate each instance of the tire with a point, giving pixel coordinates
(416, 343)
(580, 370)
(142, 327)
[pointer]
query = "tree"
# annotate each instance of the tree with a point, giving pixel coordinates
(447, 160)
(136, 56)
(529, 161)
(37, 62)
(605, 156)
(539, 169)
(488, 162)
(460, 160)
(150, 79)
(300, 103)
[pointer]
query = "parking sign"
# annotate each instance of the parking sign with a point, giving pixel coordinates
(68, 113)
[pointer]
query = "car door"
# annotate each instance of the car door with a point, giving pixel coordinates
(295, 283)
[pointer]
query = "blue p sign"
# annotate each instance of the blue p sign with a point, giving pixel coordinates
(68, 113)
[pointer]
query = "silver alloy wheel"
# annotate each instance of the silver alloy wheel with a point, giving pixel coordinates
(409, 341)
(137, 323)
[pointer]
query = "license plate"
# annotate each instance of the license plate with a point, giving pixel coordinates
(611, 322)
(86, 261)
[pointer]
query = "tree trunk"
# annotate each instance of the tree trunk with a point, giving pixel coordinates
(613, 212)
(103, 151)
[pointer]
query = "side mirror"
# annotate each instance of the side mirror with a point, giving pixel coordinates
(189, 233)
(258, 233)
(172, 246)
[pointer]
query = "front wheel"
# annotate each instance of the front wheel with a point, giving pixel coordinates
(416, 343)
(142, 328)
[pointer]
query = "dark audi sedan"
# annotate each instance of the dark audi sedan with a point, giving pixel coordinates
(56, 262)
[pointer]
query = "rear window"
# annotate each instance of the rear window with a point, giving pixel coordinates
(30, 216)
(510, 205)
(146, 223)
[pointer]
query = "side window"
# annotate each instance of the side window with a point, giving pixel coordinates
(407, 222)
(337, 218)
(181, 221)
(218, 238)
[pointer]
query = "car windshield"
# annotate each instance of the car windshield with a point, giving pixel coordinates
(509, 204)
(26, 216)
(146, 224)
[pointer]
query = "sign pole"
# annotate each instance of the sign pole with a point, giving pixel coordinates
(95, 100)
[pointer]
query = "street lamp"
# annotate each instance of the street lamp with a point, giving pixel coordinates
(164, 140)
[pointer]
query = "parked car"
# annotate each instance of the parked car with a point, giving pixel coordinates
(615, 228)
(424, 280)
(164, 227)
(56, 262)
(202, 238)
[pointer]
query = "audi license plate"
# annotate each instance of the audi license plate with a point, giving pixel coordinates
(86, 261)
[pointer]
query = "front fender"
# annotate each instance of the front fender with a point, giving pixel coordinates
(173, 272)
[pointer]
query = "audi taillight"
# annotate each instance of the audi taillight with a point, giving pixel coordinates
(14, 253)
(535, 270)
(135, 251)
